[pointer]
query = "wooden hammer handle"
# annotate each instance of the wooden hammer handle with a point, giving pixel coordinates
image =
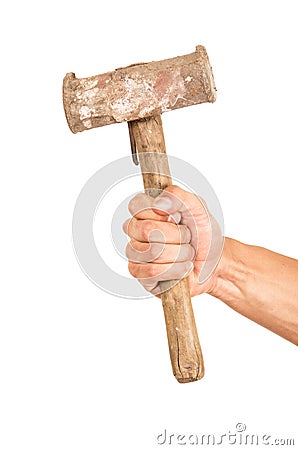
(184, 346)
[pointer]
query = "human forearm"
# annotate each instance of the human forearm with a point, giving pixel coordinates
(257, 283)
(261, 285)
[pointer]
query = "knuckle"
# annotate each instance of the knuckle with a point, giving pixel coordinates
(138, 203)
(142, 271)
(130, 226)
(146, 286)
(133, 204)
(129, 251)
(133, 269)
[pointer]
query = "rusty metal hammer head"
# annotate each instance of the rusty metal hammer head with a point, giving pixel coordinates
(138, 91)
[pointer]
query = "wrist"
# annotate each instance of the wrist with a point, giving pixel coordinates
(230, 273)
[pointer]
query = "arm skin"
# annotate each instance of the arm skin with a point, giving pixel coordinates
(170, 238)
(261, 285)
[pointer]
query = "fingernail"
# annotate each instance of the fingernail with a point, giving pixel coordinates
(189, 267)
(162, 203)
(176, 217)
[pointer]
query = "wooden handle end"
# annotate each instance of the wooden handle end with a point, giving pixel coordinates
(184, 345)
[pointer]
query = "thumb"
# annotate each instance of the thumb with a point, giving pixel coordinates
(176, 201)
(165, 205)
(171, 200)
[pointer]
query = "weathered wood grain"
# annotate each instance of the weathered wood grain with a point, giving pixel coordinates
(184, 346)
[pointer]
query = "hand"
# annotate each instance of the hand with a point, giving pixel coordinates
(172, 236)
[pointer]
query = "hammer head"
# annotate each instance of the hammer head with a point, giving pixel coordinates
(138, 91)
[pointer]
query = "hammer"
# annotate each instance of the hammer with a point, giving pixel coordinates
(139, 94)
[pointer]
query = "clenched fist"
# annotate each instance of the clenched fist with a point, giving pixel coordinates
(172, 236)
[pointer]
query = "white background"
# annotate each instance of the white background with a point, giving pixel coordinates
(81, 369)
